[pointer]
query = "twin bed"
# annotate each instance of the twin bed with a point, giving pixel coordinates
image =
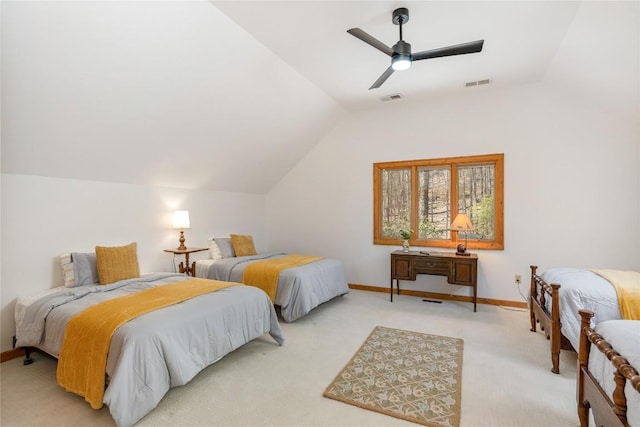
(162, 349)
(608, 379)
(556, 296)
(300, 289)
(577, 308)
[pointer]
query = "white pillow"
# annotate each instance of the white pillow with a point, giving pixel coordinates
(67, 270)
(214, 250)
(79, 269)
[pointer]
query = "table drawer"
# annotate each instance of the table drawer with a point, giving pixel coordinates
(432, 266)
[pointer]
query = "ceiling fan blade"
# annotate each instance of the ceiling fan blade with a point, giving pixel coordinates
(370, 40)
(382, 78)
(459, 49)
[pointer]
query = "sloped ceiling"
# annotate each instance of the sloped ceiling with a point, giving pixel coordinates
(599, 58)
(155, 93)
(230, 95)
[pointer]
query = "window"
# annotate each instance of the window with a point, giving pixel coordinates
(426, 195)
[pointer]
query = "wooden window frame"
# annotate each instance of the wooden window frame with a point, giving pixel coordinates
(496, 159)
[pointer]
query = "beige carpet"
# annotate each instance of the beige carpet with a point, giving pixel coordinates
(404, 374)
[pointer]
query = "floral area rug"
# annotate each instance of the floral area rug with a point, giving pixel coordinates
(408, 375)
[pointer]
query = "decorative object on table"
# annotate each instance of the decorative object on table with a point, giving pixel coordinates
(408, 375)
(406, 235)
(462, 223)
(181, 221)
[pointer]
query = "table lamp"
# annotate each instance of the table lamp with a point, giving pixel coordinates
(462, 223)
(181, 221)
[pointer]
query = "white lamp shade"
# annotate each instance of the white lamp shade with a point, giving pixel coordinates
(181, 219)
(462, 223)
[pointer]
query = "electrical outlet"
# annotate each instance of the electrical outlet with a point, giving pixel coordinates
(518, 278)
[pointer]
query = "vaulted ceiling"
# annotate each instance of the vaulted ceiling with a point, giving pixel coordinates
(230, 95)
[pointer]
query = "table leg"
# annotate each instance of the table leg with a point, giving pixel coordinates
(187, 268)
(391, 289)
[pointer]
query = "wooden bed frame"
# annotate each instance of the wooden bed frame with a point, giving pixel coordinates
(608, 411)
(549, 322)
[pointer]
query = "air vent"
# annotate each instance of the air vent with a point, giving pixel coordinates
(391, 97)
(477, 83)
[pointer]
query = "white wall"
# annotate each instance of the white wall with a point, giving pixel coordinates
(45, 217)
(572, 185)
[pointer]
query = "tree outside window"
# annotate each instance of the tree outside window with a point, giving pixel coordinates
(426, 195)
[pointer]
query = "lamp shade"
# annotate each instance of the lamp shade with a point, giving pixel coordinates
(181, 219)
(462, 223)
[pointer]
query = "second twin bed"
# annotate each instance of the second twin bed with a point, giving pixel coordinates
(299, 290)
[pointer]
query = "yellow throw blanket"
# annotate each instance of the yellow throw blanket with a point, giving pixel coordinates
(87, 337)
(264, 274)
(627, 284)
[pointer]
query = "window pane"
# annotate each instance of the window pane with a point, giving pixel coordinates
(396, 202)
(434, 214)
(476, 189)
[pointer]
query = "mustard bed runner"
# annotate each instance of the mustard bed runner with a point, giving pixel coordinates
(627, 284)
(264, 274)
(83, 357)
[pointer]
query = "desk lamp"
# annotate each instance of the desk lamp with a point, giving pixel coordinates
(462, 223)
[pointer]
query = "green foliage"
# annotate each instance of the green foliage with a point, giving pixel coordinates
(483, 215)
(406, 234)
(428, 230)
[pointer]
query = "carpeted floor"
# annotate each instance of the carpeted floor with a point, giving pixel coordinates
(506, 378)
(404, 374)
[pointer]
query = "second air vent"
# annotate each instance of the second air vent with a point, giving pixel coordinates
(391, 97)
(477, 83)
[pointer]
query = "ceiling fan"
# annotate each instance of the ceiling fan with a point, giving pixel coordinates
(400, 53)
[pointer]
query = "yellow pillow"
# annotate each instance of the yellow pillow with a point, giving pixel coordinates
(243, 245)
(117, 263)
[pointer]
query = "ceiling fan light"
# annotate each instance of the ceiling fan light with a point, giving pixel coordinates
(401, 62)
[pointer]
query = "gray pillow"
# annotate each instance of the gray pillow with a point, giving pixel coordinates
(85, 269)
(226, 247)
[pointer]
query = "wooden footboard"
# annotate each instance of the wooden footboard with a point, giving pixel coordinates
(608, 411)
(549, 322)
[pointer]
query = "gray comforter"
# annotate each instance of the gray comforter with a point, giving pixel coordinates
(159, 350)
(300, 289)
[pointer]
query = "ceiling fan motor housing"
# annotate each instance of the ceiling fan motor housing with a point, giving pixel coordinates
(400, 16)
(402, 48)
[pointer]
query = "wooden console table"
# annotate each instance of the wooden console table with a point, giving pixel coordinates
(460, 270)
